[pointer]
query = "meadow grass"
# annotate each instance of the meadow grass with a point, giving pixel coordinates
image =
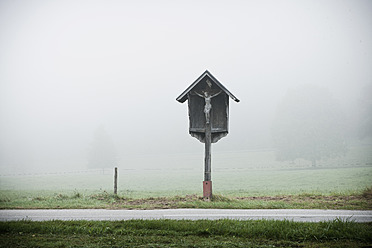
(76, 200)
(323, 188)
(238, 173)
(244, 186)
(237, 182)
(184, 233)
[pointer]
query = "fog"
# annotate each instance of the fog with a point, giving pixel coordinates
(70, 68)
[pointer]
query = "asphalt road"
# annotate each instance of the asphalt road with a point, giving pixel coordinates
(300, 215)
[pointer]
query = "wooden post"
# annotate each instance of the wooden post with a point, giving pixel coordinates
(207, 161)
(116, 181)
(207, 184)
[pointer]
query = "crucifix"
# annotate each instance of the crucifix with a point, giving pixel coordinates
(208, 106)
(208, 102)
(208, 131)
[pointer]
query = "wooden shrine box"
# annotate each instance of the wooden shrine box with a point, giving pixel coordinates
(219, 107)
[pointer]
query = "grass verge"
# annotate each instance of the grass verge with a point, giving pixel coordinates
(76, 200)
(173, 233)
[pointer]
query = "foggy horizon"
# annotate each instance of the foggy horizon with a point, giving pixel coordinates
(68, 68)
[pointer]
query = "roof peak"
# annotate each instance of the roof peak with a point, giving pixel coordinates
(183, 97)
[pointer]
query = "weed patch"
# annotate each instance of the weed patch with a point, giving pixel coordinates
(367, 193)
(106, 197)
(21, 199)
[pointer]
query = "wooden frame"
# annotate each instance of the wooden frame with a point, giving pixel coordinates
(208, 107)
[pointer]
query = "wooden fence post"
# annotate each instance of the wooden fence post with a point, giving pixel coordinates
(116, 181)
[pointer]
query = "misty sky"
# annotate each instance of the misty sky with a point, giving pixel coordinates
(69, 67)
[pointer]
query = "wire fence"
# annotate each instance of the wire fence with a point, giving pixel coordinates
(110, 171)
(103, 171)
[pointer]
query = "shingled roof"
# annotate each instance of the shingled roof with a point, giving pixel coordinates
(183, 97)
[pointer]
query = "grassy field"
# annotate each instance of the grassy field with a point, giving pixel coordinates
(171, 233)
(322, 188)
(259, 183)
(37, 200)
(233, 182)
(240, 180)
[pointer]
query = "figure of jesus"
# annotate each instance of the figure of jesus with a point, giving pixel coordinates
(208, 106)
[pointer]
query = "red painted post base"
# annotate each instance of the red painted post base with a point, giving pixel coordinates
(207, 189)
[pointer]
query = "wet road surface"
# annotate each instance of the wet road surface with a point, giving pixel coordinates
(300, 215)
